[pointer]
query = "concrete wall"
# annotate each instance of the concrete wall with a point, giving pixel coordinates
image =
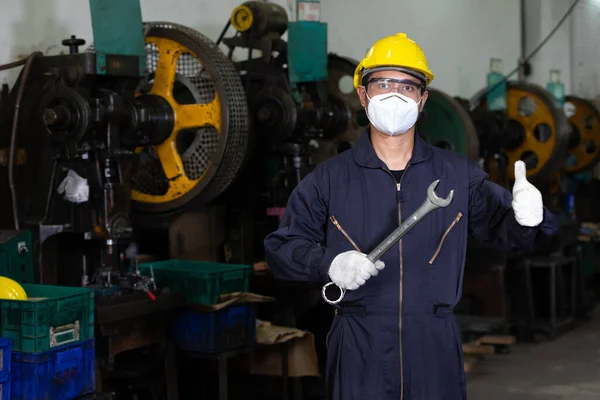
(541, 17)
(458, 36)
(585, 53)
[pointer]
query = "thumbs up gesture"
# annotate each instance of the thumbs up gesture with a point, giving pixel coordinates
(527, 199)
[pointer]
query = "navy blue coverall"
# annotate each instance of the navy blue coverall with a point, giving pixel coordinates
(422, 280)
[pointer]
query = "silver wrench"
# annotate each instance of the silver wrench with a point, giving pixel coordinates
(431, 203)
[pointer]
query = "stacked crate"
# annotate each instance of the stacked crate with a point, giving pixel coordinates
(52, 335)
(201, 283)
(5, 378)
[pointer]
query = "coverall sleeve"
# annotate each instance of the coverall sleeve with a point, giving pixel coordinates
(492, 219)
(296, 251)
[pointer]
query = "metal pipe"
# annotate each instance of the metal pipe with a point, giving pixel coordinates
(13, 136)
(523, 34)
(13, 64)
(523, 43)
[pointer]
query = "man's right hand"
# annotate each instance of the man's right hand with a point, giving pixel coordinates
(351, 269)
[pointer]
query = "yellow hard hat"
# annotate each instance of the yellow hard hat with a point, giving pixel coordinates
(394, 52)
(11, 289)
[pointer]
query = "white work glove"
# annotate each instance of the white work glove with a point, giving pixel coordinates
(74, 187)
(351, 269)
(527, 199)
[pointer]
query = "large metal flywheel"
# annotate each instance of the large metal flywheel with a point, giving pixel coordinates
(346, 101)
(584, 144)
(206, 147)
(537, 133)
(445, 123)
(348, 118)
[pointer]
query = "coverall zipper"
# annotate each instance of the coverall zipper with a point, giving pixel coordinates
(334, 220)
(458, 217)
(398, 187)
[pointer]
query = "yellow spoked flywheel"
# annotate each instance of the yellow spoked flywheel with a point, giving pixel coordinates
(537, 132)
(204, 151)
(584, 143)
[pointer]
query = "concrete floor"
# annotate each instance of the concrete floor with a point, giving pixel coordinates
(566, 368)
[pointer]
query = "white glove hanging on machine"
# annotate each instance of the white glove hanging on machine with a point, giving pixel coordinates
(527, 199)
(74, 188)
(351, 269)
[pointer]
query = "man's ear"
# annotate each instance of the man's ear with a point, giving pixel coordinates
(423, 100)
(362, 94)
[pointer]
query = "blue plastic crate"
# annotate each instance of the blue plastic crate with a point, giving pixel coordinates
(214, 331)
(5, 385)
(62, 373)
(5, 353)
(99, 396)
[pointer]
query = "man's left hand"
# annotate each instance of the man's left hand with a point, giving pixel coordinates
(527, 199)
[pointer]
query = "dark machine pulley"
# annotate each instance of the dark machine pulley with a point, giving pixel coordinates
(584, 144)
(203, 152)
(65, 113)
(301, 99)
(345, 119)
(445, 123)
(537, 131)
(348, 117)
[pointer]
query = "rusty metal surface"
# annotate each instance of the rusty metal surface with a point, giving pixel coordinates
(149, 331)
(123, 336)
(124, 308)
(118, 337)
(20, 157)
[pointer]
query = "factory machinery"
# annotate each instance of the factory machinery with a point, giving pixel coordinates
(559, 141)
(303, 109)
(76, 129)
(105, 146)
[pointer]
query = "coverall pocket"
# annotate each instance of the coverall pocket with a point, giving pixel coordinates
(444, 236)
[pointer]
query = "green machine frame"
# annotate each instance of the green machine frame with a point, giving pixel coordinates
(118, 37)
(307, 49)
(16, 256)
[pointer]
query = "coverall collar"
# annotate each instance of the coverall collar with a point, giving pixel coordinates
(365, 156)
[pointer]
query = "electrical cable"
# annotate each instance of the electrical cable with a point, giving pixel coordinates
(476, 100)
(227, 25)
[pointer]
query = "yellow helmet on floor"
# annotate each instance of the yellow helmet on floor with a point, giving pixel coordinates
(11, 289)
(394, 52)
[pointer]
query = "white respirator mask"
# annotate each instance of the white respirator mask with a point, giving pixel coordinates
(392, 113)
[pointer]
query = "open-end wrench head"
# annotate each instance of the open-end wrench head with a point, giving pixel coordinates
(433, 197)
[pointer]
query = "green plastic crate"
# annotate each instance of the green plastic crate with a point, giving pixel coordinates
(52, 316)
(199, 282)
